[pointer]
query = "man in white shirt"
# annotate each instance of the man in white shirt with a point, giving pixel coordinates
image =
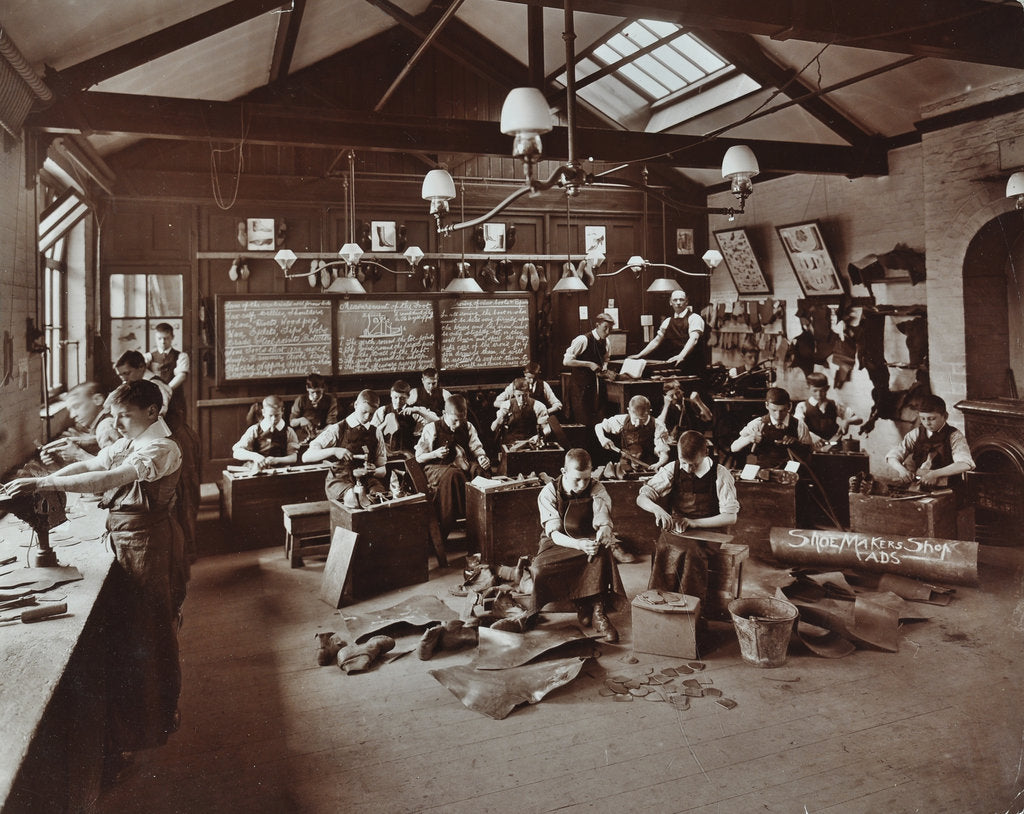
(681, 338)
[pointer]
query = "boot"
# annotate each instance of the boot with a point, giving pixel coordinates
(516, 624)
(329, 645)
(620, 554)
(603, 625)
(429, 642)
(357, 658)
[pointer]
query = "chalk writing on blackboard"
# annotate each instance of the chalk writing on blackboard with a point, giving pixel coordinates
(485, 333)
(268, 338)
(385, 335)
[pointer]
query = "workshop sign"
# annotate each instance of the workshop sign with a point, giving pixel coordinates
(917, 556)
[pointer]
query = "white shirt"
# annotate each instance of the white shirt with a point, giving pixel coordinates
(153, 454)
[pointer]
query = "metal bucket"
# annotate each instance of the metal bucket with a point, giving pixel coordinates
(763, 627)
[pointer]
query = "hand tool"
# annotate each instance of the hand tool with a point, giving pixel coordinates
(37, 614)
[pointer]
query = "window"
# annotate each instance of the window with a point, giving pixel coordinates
(59, 254)
(137, 303)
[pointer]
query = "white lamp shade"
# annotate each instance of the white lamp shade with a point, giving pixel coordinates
(346, 285)
(636, 262)
(570, 283)
(663, 284)
(712, 258)
(438, 185)
(739, 160)
(351, 253)
(285, 258)
(1015, 185)
(464, 285)
(414, 254)
(525, 111)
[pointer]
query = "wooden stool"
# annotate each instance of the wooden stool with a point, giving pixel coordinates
(304, 523)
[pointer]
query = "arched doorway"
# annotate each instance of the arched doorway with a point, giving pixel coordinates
(994, 322)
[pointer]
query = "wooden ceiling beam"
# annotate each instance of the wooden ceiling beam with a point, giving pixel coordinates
(160, 43)
(962, 30)
(219, 122)
(284, 43)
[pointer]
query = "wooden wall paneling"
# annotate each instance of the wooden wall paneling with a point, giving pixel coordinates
(144, 232)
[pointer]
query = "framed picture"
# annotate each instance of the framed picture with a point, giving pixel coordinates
(739, 258)
(494, 237)
(684, 241)
(594, 238)
(810, 259)
(259, 234)
(382, 236)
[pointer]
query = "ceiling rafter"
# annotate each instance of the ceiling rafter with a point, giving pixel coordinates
(288, 26)
(160, 43)
(963, 30)
(203, 120)
(743, 51)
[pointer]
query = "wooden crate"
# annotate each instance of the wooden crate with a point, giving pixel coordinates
(666, 630)
(527, 461)
(927, 516)
(392, 546)
(252, 503)
(763, 504)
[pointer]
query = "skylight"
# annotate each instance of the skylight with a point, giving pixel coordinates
(665, 58)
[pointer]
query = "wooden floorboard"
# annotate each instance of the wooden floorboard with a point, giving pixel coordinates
(936, 727)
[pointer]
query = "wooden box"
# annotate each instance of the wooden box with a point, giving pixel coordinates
(252, 503)
(666, 630)
(927, 516)
(833, 471)
(763, 504)
(725, 579)
(526, 461)
(392, 547)
(578, 436)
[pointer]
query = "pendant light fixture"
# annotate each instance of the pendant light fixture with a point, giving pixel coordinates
(463, 282)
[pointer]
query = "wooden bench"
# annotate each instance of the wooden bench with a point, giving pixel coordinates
(307, 529)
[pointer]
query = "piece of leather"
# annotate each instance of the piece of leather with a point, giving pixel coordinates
(496, 693)
(499, 650)
(417, 611)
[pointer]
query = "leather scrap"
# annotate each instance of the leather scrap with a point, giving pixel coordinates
(23, 581)
(915, 590)
(417, 611)
(500, 649)
(496, 693)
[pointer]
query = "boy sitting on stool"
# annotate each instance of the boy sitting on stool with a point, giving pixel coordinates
(270, 442)
(444, 449)
(522, 416)
(692, 492)
(935, 453)
(642, 438)
(773, 436)
(358, 450)
(827, 420)
(400, 422)
(574, 562)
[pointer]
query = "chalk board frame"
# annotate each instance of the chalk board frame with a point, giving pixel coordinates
(222, 299)
(438, 301)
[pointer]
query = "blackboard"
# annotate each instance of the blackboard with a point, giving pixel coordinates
(275, 337)
(488, 332)
(282, 336)
(385, 335)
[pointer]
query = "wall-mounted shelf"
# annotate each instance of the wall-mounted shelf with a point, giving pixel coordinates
(380, 256)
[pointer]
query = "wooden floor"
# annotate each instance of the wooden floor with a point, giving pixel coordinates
(936, 727)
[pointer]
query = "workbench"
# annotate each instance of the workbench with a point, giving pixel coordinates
(763, 504)
(833, 471)
(251, 503)
(514, 462)
(53, 714)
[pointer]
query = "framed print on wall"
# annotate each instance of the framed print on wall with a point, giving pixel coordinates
(259, 234)
(739, 258)
(684, 241)
(382, 236)
(810, 259)
(594, 239)
(494, 237)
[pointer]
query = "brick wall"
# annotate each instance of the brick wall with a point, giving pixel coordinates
(937, 196)
(20, 398)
